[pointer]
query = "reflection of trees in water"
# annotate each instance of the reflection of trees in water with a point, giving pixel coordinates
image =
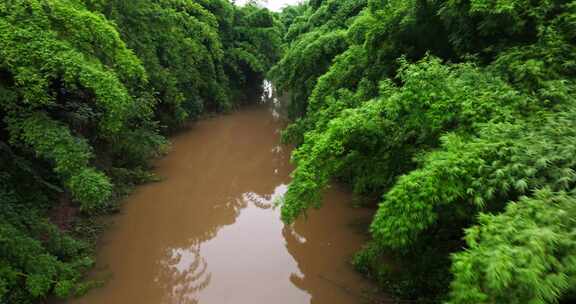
(260, 201)
(299, 247)
(307, 241)
(278, 104)
(266, 201)
(184, 274)
(302, 248)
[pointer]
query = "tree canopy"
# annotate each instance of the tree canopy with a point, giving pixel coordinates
(459, 116)
(88, 88)
(454, 119)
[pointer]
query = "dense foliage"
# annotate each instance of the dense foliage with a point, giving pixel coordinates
(86, 89)
(460, 115)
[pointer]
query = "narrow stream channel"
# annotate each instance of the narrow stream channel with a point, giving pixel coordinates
(209, 232)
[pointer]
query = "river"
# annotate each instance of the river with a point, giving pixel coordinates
(209, 233)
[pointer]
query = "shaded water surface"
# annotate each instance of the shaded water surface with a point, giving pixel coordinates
(209, 233)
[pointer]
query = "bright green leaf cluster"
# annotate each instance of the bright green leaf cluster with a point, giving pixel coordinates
(525, 254)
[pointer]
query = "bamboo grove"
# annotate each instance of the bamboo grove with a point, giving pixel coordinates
(457, 117)
(453, 118)
(88, 89)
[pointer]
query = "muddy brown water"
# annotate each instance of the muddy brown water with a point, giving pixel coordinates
(209, 232)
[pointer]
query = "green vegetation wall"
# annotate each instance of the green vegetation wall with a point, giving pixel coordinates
(87, 88)
(458, 117)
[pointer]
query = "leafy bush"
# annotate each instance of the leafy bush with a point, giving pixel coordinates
(446, 110)
(87, 88)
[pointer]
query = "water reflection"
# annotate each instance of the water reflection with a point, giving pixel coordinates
(274, 101)
(323, 245)
(184, 274)
(210, 232)
(266, 201)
